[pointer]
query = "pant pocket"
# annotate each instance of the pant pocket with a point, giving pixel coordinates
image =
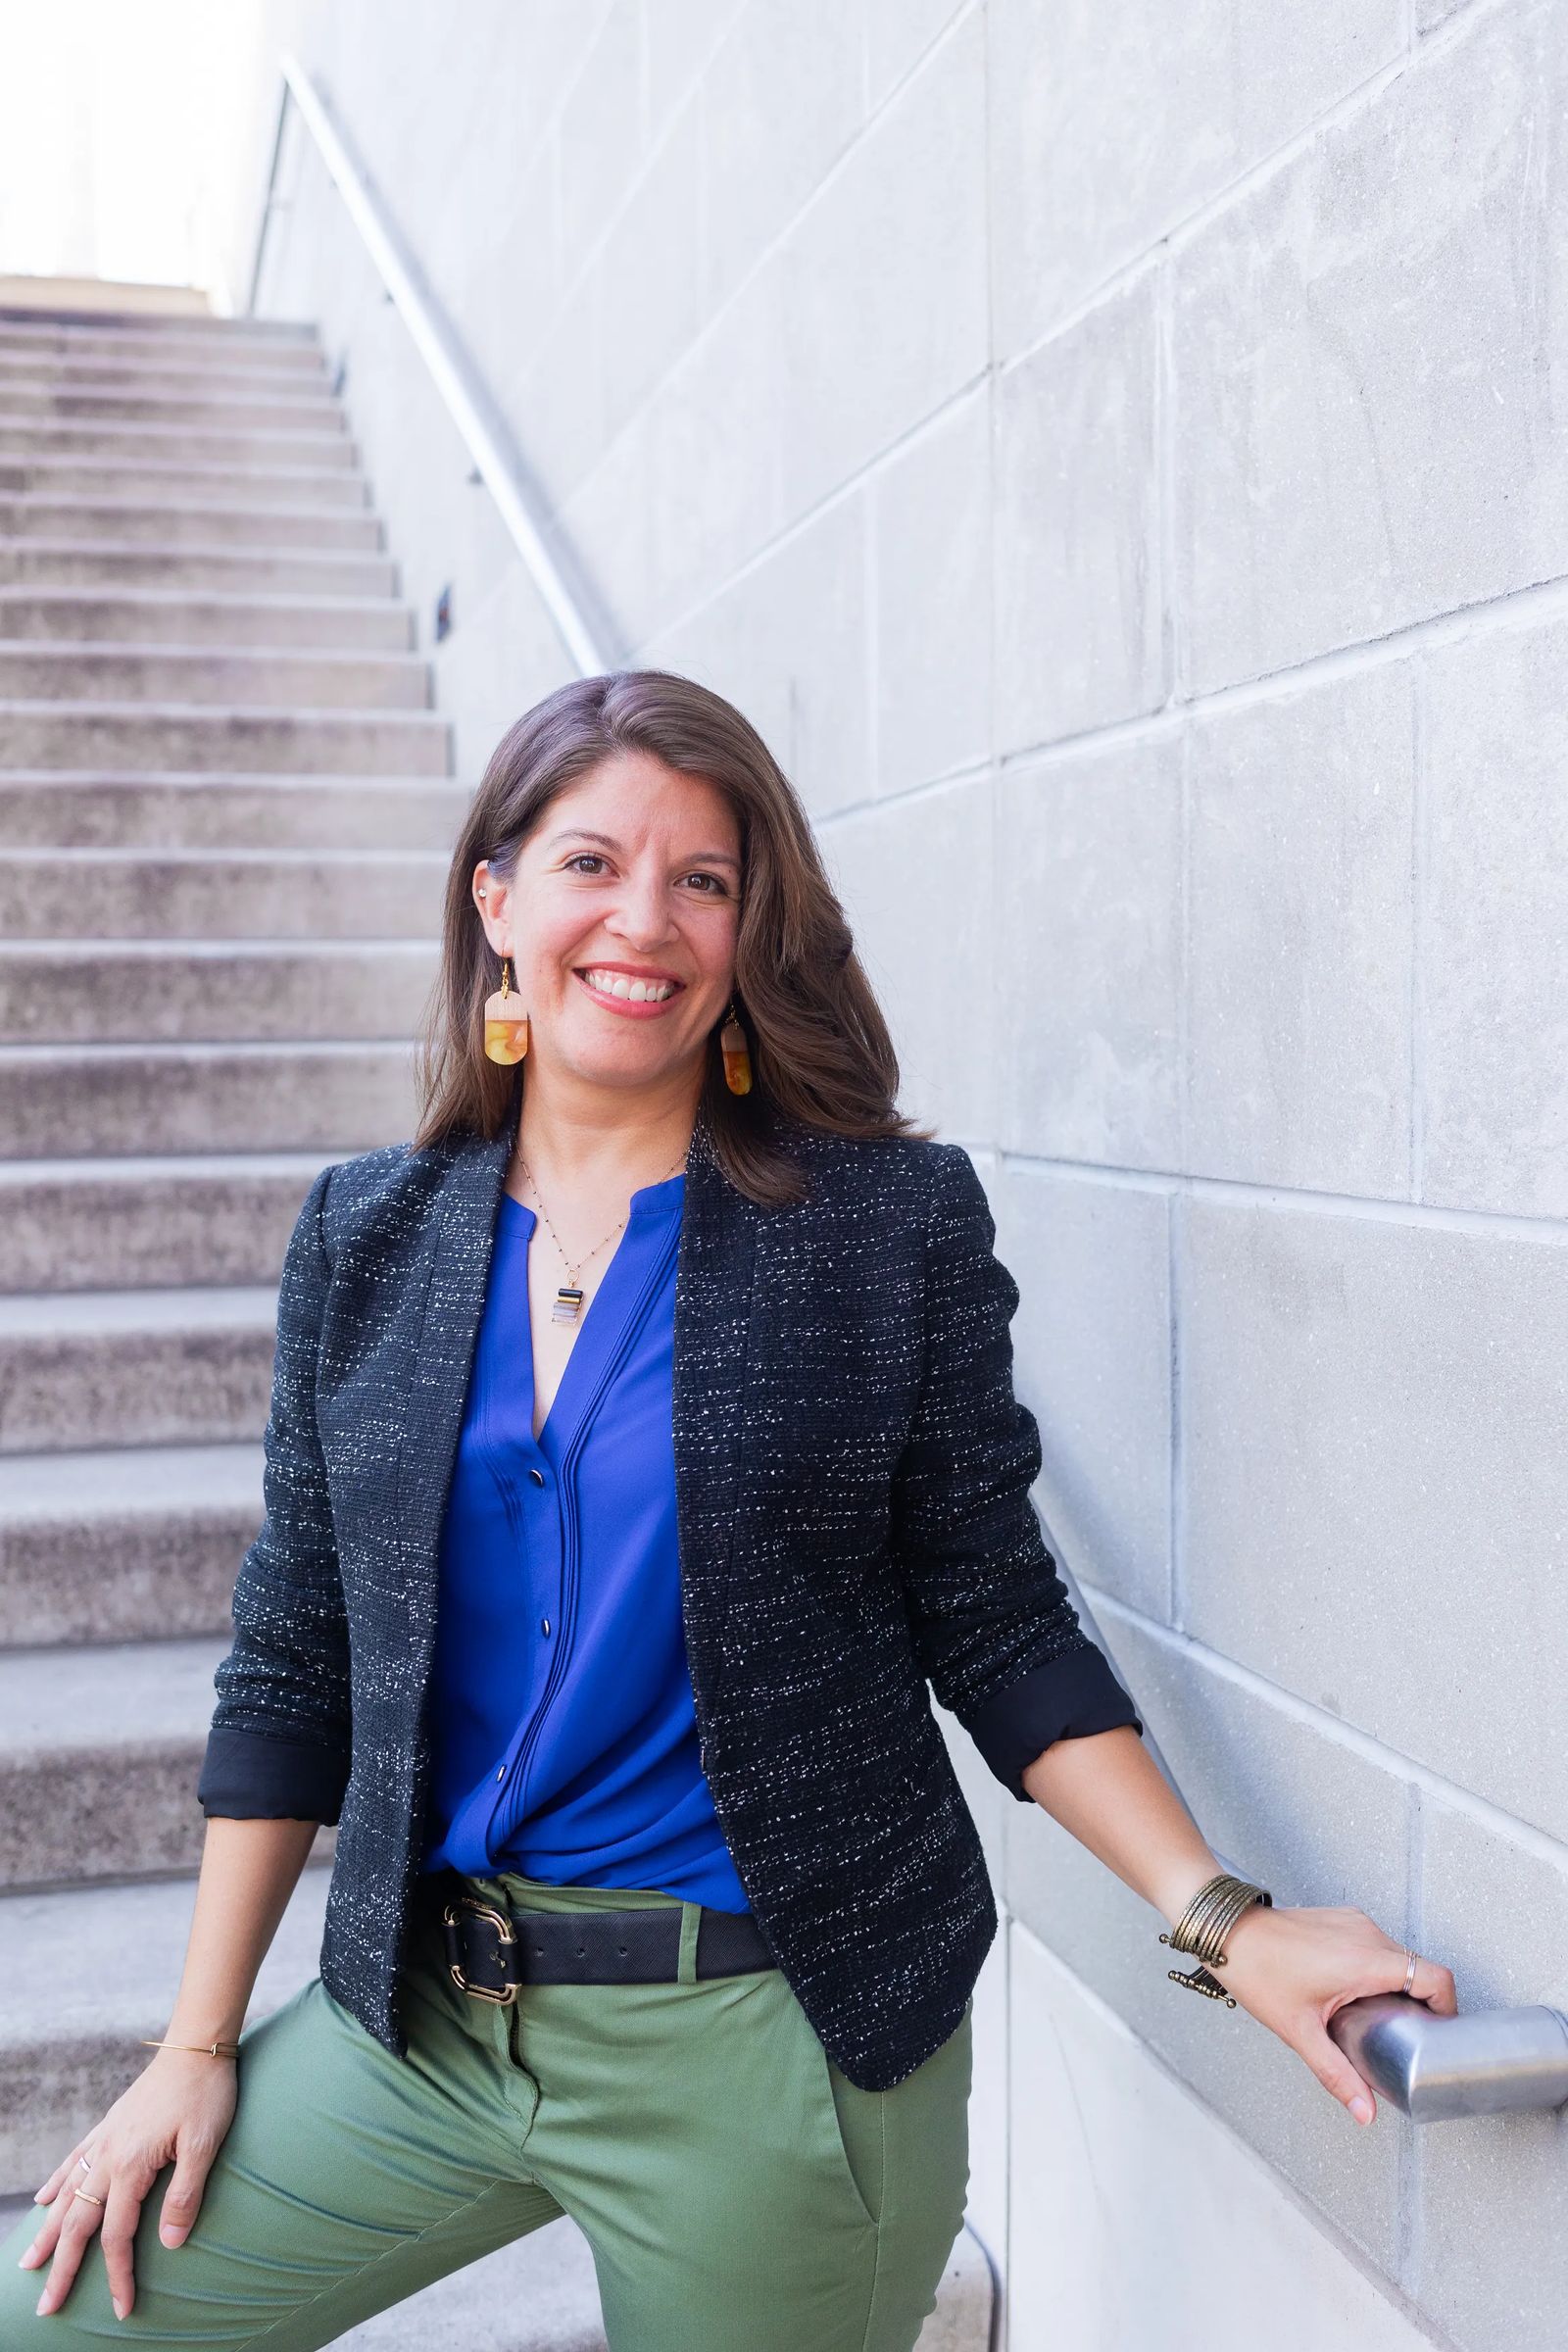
(858, 2120)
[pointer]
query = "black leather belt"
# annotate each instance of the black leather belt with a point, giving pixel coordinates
(491, 1951)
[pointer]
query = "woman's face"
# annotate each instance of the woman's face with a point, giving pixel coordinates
(620, 920)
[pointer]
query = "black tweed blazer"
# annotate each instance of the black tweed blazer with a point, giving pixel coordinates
(856, 1533)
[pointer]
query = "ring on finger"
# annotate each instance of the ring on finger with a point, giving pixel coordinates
(1410, 1973)
(88, 2193)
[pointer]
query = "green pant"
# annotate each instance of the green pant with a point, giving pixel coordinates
(736, 2189)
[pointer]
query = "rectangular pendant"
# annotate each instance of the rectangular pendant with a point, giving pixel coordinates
(565, 1305)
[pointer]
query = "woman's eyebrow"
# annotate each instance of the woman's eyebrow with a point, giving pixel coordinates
(606, 841)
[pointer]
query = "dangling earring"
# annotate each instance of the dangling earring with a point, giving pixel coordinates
(737, 1060)
(506, 1025)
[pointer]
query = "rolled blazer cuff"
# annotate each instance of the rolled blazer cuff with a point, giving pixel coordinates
(262, 1776)
(1067, 1697)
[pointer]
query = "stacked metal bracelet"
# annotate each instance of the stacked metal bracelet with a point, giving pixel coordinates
(1204, 1927)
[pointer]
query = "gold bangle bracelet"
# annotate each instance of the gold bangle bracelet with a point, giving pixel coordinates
(1208, 1933)
(207, 2049)
(1203, 1930)
(1204, 1927)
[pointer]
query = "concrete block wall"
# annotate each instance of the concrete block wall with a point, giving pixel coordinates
(1114, 455)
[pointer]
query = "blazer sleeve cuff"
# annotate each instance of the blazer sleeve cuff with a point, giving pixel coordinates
(1067, 1697)
(260, 1776)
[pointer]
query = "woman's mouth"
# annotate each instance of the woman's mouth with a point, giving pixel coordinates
(625, 992)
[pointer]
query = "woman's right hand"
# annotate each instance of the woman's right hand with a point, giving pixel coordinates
(178, 2111)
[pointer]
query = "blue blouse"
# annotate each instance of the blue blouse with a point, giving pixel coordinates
(564, 1731)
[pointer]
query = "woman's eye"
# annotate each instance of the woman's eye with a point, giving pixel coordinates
(715, 888)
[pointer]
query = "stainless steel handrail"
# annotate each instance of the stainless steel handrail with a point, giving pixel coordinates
(1432, 2069)
(584, 631)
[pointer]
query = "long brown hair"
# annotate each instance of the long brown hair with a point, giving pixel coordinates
(820, 1052)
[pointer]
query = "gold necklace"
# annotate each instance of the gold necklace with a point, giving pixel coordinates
(566, 1304)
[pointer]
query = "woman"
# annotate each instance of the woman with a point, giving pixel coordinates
(643, 1452)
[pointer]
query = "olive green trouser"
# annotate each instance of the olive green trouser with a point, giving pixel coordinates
(735, 2189)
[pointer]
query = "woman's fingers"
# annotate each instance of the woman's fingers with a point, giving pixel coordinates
(1334, 2071)
(1295, 1970)
(43, 2244)
(51, 2188)
(183, 2199)
(1432, 1984)
(119, 2220)
(78, 2223)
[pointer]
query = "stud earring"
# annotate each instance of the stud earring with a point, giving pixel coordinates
(506, 1024)
(737, 1058)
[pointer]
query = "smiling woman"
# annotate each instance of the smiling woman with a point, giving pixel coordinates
(643, 1459)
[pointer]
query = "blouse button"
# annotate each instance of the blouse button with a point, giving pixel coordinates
(544, 1625)
(537, 1476)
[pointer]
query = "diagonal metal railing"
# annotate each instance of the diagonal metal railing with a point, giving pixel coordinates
(584, 629)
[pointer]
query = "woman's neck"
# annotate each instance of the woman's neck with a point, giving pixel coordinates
(602, 1147)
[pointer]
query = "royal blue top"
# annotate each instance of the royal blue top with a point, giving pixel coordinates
(564, 1731)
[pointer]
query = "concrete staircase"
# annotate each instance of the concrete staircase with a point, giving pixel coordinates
(225, 816)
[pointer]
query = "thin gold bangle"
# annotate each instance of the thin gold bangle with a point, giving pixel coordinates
(207, 2049)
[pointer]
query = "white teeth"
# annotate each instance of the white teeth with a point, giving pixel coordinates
(637, 992)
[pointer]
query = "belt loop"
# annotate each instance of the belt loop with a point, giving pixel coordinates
(691, 1917)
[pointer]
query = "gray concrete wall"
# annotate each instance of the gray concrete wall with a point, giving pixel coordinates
(1115, 453)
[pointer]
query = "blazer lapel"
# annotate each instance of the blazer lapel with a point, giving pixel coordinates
(711, 1349)
(431, 1413)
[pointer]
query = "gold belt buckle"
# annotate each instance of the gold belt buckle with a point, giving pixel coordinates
(505, 1934)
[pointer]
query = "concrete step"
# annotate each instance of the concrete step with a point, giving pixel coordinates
(172, 477)
(540, 2294)
(40, 347)
(71, 2025)
(122, 328)
(176, 1367)
(145, 1221)
(100, 1748)
(232, 894)
(124, 1546)
(170, 522)
(244, 676)
(89, 808)
(57, 1101)
(274, 411)
(222, 374)
(241, 570)
(57, 437)
(174, 735)
(144, 616)
(174, 991)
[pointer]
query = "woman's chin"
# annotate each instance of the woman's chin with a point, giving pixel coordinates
(633, 1064)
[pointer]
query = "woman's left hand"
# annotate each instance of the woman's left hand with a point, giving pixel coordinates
(1293, 1968)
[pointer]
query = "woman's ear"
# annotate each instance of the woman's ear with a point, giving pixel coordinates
(491, 896)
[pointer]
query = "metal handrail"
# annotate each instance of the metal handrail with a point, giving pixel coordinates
(1432, 2069)
(584, 632)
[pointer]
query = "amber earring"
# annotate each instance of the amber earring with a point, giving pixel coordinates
(737, 1058)
(506, 1024)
